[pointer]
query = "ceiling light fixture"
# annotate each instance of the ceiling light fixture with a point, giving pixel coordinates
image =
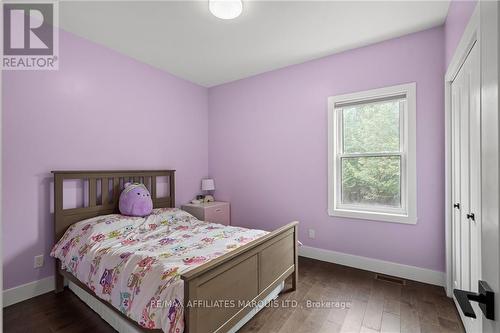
(225, 9)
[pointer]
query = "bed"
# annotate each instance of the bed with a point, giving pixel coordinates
(196, 276)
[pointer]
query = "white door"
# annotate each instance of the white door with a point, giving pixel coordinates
(466, 173)
(456, 91)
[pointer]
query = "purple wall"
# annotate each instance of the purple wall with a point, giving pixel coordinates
(459, 14)
(273, 167)
(268, 148)
(101, 110)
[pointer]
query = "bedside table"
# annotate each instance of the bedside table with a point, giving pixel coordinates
(215, 212)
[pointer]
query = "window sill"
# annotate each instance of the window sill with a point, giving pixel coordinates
(374, 216)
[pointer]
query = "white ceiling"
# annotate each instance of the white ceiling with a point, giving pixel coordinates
(184, 39)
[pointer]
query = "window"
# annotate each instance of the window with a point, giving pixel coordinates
(371, 148)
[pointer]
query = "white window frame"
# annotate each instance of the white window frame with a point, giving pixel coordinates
(408, 211)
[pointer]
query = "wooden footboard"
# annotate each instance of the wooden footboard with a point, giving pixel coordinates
(221, 292)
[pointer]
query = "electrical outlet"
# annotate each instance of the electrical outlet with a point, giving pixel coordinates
(312, 233)
(38, 261)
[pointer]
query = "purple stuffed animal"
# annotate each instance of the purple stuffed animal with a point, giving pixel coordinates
(135, 200)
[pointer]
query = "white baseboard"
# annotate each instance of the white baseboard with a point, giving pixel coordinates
(375, 265)
(28, 290)
(35, 288)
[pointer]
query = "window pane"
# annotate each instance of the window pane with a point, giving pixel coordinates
(372, 181)
(371, 128)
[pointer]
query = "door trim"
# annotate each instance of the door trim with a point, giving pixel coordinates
(470, 37)
(490, 98)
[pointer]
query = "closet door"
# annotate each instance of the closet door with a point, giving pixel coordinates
(475, 167)
(456, 157)
(474, 220)
(466, 175)
(464, 237)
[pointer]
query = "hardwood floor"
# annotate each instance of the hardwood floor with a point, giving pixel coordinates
(371, 305)
(375, 305)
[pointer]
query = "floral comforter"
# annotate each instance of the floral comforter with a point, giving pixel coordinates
(135, 263)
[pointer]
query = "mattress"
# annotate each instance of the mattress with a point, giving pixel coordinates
(135, 263)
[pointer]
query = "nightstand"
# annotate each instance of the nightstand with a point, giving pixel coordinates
(215, 212)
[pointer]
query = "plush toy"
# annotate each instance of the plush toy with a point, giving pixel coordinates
(135, 200)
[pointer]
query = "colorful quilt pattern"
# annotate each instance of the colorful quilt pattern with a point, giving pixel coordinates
(135, 263)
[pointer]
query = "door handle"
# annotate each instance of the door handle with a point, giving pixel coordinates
(471, 216)
(485, 297)
(456, 205)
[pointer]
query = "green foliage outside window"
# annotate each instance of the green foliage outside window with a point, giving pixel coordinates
(371, 128)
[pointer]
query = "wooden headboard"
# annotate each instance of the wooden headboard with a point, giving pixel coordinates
(102, 199)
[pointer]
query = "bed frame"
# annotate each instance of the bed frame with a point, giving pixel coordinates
(242, 277)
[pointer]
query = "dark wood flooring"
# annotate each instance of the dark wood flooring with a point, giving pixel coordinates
(371, 305)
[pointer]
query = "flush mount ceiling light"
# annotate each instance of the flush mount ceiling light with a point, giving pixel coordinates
(225, 9)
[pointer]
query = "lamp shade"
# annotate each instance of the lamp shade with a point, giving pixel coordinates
(207, 184)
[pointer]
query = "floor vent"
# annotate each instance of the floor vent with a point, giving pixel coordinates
(390, 279)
